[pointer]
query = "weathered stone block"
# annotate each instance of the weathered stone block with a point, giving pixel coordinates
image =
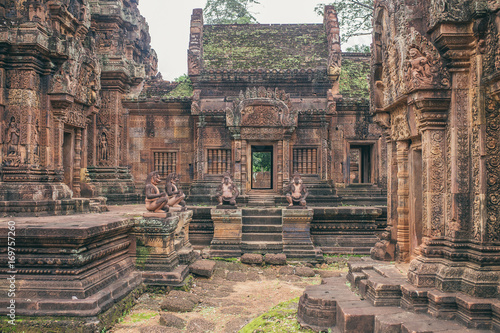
(202, 268)
(275, 258)
(252, 259)
(304, 272)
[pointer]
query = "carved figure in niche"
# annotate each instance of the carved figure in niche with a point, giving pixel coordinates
(227, 191)
(296, 193)
(420, 68)
(12, 136)
(156, 201)
(103, 147)
(175, 195)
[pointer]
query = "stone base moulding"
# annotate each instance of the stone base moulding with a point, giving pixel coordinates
(227, 233)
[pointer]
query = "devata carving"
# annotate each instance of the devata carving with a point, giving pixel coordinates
(227, 192)
(12, 135)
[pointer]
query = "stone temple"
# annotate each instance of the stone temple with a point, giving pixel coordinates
(401, 145)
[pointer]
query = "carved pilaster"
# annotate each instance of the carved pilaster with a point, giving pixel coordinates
(280, 165)
(200, 162)
(403, 192)
(78, 163)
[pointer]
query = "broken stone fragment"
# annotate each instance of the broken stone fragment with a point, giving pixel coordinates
(275, 258)
(251, 259)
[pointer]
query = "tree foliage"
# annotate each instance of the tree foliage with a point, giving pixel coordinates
(184, 88)
(355, 17)
(229, 12)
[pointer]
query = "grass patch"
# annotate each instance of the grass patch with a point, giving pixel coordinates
(140, 316)
(226, 259)
(280, 319)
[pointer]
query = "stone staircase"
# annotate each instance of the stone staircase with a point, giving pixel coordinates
(261, 231)
(373, 300)
(362, 195)
(261, 199)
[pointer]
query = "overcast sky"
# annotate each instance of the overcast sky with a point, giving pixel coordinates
(169, 25)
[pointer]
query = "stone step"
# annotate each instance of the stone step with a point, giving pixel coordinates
(261, 247)
(261, 237)
(262, 212)
(413, 322)
(261, 220)
(332, 306)
(259, 228)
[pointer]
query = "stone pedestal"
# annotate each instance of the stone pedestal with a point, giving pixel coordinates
(72, 266)
(227, 233)
(297, 241)
(160, 238)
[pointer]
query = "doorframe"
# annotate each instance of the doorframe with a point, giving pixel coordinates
(248, 153)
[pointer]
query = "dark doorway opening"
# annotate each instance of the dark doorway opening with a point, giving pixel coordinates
(68, 159)
(262, 167)
(360, 164)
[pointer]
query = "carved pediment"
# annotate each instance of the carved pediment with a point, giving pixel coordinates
(424, 67)
(262, 108)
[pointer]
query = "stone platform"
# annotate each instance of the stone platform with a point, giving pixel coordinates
(83, 269)
(263, 230)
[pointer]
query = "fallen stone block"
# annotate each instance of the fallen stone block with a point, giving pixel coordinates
(202, 268)
(275, 258)
(251, 259)
(304, 272)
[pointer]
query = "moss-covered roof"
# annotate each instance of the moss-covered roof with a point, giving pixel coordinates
(354, 76)
(253, 46)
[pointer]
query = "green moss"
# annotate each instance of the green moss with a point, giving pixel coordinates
(353, 81)
(142, 253)
(270, 47)
(281, 319)
(225, 259)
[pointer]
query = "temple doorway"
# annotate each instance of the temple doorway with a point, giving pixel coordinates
(360, 166)
(262, 167)
(68, 158)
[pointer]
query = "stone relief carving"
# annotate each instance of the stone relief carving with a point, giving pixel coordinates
(492, 170)
(399, 124)
(265, 111)
(449, 10)
(12, 143)
(423, 66)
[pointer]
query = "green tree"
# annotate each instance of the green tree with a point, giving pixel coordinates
(184, 88)
(355, 17)
(229, 12)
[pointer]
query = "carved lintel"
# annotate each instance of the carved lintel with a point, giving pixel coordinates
(61, 101)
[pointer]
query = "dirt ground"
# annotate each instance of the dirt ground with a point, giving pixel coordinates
(232, 297)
